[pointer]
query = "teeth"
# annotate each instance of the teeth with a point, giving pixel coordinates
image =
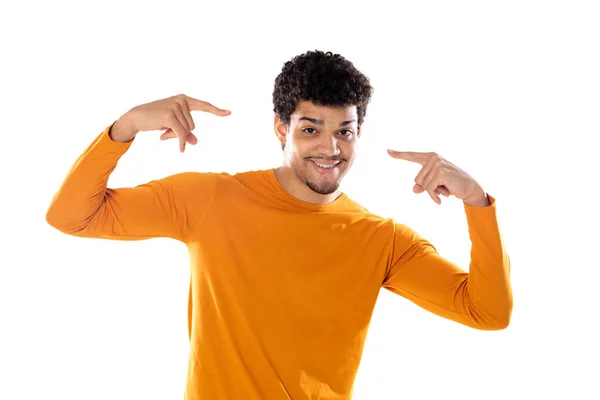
(325, 165)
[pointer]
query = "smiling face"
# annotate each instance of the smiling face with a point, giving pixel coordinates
(319, 149)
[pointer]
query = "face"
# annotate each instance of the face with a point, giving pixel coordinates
(320, 144)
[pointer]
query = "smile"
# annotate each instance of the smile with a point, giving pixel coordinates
(325, 166)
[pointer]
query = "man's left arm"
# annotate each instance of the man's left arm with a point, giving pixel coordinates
(480, 298)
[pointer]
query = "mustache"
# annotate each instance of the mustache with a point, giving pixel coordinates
(325, 158)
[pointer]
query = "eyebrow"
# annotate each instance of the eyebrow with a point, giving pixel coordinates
(320, 122)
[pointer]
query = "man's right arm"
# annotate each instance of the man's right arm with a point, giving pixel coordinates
(84, 206)
(168, 207)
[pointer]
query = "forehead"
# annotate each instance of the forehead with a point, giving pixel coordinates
(327, 114)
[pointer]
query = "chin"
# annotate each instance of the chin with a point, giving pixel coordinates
(323, 185)
(317, 182)
(321, 188)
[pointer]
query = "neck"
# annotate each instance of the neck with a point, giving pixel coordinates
(297, 188)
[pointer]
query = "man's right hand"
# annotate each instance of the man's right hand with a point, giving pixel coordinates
(171, 114)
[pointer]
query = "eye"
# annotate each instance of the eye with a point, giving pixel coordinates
(309, 131)
(345, 132)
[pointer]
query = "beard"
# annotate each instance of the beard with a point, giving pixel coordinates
(321, 186)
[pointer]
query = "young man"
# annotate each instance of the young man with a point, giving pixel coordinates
(286, 268)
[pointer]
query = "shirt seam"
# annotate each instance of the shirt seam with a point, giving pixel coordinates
(203, 214)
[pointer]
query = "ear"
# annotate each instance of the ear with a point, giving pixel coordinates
(358, 130)
(280, 130)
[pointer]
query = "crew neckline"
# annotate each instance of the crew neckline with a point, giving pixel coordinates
(340, 200)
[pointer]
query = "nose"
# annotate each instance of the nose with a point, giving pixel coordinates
(328, 146)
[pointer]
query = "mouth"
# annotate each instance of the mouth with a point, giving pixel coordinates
(325, 166)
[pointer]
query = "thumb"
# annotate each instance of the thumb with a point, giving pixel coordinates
(169, 134)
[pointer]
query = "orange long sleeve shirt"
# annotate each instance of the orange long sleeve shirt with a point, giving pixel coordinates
(282, 291)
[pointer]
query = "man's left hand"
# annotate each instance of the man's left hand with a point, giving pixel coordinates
(440, 177)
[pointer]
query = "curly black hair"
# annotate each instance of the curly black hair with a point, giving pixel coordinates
(323, 78)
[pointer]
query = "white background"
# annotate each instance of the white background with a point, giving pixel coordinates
(509, 91)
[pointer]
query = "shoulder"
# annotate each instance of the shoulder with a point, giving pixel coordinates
(375, 222)
(190, 179)
(196, 177)
(399, 230)
(217, 183)
(251, 180)
(355, 207)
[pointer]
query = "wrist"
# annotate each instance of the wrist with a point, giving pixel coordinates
(122, 130)
(478, 200)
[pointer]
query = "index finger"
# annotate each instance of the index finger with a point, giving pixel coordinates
(414, 156)
(201, 105)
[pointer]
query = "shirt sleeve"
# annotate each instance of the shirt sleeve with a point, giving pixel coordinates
(480, 298)
(169, 207)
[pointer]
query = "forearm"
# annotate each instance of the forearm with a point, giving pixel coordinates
(488, 289)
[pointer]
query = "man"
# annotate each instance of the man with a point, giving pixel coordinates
(285, 267)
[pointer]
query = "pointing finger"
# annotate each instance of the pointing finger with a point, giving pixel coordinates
(420, 158)
(201, 105)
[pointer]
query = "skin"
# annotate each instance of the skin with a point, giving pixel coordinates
(327, 137)
(173, 115)
(316, 134)
(440, 176)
